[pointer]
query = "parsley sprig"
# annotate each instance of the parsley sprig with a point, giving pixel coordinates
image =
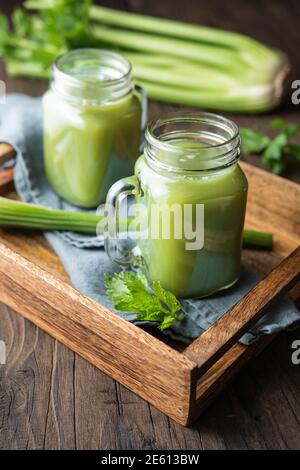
(131, 293)
(273, 151)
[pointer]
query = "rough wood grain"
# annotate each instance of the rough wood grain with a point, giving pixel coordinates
(7, 152)
(172, 386)
(143, 363)
(6, 181)
(51, 398)
(67, 403)
(225, 332)
(272, 200)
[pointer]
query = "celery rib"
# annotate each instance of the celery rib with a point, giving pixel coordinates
(172, 28)
(208, 54)
(258, 239)
(182, 63)
(22, 215)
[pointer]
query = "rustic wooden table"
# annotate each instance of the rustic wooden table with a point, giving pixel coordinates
(50, 398)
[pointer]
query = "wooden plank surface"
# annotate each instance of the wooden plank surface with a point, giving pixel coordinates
(224, 333)
(152, 369)
(51, 398)
(32, 262)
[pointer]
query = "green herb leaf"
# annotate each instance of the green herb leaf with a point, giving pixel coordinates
(277, 167)
(253, 141)
(274, 151)
(4, 32)
(68, 21)
(273, 156)
(288, 128)
(167, 322)
(294, 151)
(166, 297)
(131, 293)
(21, 22)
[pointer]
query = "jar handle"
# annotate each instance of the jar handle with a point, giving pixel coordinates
(143, 97)
(117, 242)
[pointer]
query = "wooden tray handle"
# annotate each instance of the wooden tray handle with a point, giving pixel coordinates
(6, 181)
(224, 333)
(7, 152)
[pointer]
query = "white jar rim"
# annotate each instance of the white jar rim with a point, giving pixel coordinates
(210, 142)
(92, 76)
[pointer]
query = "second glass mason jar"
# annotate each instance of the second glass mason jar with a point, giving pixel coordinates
(92, 124)
(189, 163)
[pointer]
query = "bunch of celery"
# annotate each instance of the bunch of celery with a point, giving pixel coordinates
(174, 61)
(17, 214)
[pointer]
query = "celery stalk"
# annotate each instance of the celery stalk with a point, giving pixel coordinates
(31, 69)
(251, 50)
(219, 57)
(182, 63)
(22, 215)
(203, 78)
(173, 28)
(250, 99)
(258, 239)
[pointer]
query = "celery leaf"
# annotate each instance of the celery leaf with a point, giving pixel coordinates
(131, 293)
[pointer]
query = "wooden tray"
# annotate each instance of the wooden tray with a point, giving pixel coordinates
(180, 383)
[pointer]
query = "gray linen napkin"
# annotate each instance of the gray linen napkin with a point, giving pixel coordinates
(83, 256)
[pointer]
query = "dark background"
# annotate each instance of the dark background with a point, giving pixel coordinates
(52, 398)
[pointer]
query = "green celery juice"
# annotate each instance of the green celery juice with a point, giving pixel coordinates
(86, 149)
(92, 125)
(223, 191)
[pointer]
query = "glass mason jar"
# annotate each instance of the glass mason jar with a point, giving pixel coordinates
(92, 124)
(190, 196)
